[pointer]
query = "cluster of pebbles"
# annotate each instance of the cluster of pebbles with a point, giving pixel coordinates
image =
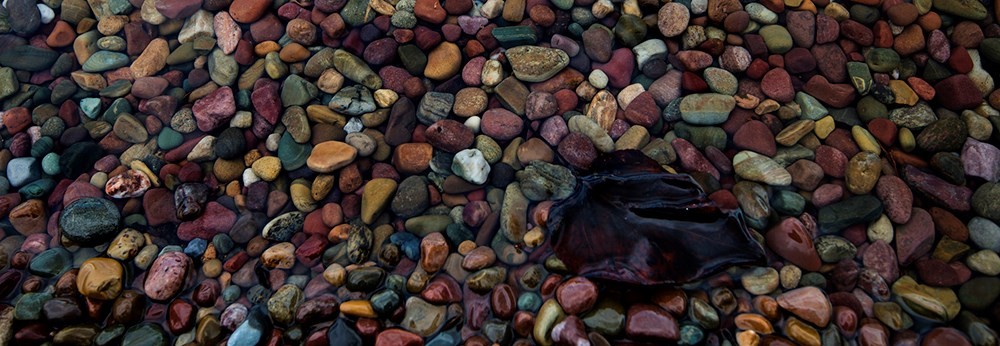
(347, 172)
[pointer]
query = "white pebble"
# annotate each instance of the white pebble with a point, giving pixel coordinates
(598, 79)
(471, 166)
(354, 125)
(473, 123)
(249, 177)
(47, 13)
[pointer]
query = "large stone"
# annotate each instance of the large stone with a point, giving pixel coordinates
(535, 63)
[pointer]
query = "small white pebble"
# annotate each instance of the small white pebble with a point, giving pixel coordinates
(473, 123)
(249, 177)
(47, 13)
(598, 79)
(35, 133)
(354, 125)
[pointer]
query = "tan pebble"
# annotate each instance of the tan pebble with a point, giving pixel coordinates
(534, 237)
(335, 274)
(358, 308)
(443, 62)
(126, 245)
(279, 256)
(466, 246)
(329, 156)
(267, 168)
(385, 97)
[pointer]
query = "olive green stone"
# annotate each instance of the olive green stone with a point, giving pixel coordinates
(777, 38)
(969, 9)
(30, 58)
(146, 334)
(511, 36)
(882, 59)
(606, 318)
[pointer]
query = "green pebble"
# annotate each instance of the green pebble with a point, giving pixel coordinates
(296, 91)
(413, 59)
(701, 136)
(118, 107)
(866, 15)
(969, 9)
(882, 59)
(105, 61)
(870, 109)
(776, 38)
(38, 188)
(787, 202)
(512, 36)
(861, 76)
(29, 58)
(168, 139)
(990, 49)
(146, 334)
(29, 306)
(356, 13)
(630, 30)
(50, 164)
(118, 88)
(8, 82)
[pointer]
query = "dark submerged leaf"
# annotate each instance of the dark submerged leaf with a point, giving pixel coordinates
(630, 221)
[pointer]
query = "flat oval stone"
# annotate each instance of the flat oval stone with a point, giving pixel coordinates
(90, 220)
(536, 64)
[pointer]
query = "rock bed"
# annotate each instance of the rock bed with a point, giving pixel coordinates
(353, 172)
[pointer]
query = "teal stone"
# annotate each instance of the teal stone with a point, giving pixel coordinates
(145, 334)
(701, 136)
(51, 262)
(119, 6)
(296, 91)
(396, 283)
(63, 90)
(29, 306)
(563, 4)
(576, 29)
(117, 107)
(242, 99)
(169, 139)
(787, 202)
(50, 164)
(450, 338)
(231, 294)
(529, 301)
(4, 185)
(291, 154)
(811, 108)
(512, 36)
(457, 233)
(42, 146)
(385, 301)
(109, 335)
(356, 13)
(104, 61)
(861, 76)
(29, 58)
(90, 107)
(882, 59)
(706, 109)
(38, 188)
(691, 335)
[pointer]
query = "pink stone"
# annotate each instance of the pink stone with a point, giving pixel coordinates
(215, 109)
(880, 257)
(166, 276)
(896, 197)
(619, 68)
(651, 323)
(501, 124)
(808, 303)
(981, 160)
(777, 84)
(227, 32)
(756, 136)
(915, 238)
(216, 219)
(691, 159)
(553, 130)
(957, 198)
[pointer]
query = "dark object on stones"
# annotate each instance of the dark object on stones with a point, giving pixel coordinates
(630, 221)
(79, 158)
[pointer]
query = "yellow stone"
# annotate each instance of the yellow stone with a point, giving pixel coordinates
(377, 195)
(801, 332)
(824, 126)
(534, 237)
(906, 139)
(126, 245)
(865, 140)
(903, 93)
(323, 114)
(793, 3)
(100, 278)
(358, 308)
(836, 11)
(267, 168)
